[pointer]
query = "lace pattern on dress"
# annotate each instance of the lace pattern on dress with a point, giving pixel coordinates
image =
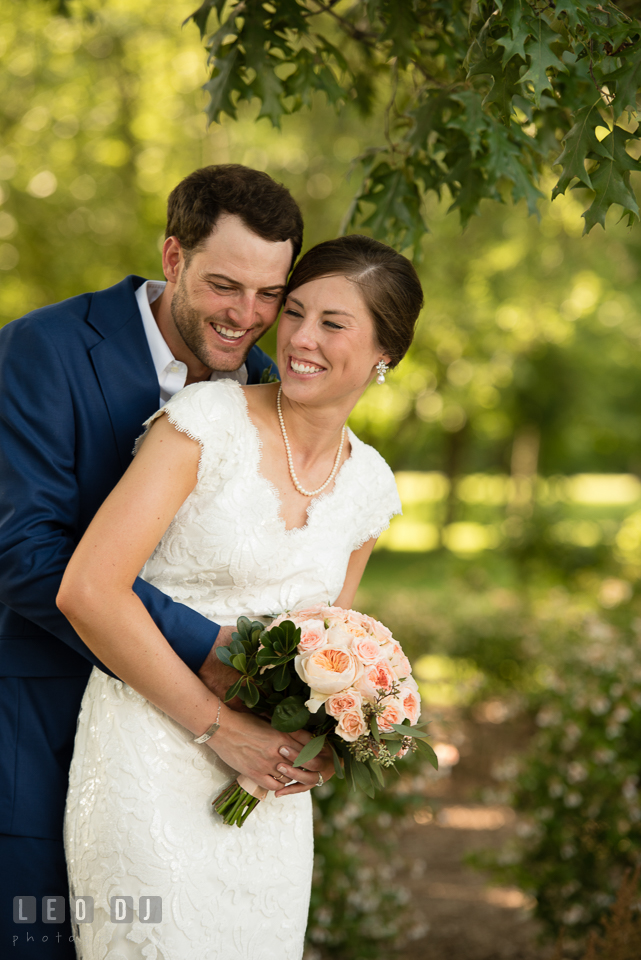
(139, 820)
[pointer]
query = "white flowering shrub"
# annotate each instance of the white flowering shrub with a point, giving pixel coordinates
(577, 789)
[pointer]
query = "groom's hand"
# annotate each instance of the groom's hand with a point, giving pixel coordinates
(216, 675)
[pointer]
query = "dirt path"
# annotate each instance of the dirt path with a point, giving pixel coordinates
(467, 915)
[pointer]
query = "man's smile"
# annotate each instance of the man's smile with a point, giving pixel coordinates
(227, 333)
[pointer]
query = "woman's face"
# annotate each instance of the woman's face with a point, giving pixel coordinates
(327, 346)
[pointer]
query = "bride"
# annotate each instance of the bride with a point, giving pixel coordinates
(240, 501)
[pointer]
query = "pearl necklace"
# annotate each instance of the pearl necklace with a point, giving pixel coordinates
(290, 462)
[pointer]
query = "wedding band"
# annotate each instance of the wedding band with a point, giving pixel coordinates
(280, 777)
(320, 780)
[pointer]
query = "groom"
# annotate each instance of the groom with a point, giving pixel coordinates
(77, 380)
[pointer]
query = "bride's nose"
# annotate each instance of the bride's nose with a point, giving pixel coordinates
(304, 336)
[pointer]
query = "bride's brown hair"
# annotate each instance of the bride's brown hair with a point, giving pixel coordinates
(388, 282)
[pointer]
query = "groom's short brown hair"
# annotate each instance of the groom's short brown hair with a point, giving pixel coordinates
(265, 207)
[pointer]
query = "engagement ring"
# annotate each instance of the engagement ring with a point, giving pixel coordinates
(320, 780)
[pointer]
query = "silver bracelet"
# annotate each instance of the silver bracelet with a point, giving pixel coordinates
(210, 731)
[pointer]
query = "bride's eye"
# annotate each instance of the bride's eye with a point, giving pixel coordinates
(293, 313)
(332, 325)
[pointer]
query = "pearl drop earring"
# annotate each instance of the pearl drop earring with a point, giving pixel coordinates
(381, 369)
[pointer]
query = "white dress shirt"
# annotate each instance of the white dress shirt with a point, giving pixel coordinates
(171, 373)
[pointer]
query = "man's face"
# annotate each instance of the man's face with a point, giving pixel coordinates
(229, 293)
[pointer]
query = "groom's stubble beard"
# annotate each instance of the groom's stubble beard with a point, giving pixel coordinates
(191, 327)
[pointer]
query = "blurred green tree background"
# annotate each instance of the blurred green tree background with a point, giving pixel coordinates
(528, 335)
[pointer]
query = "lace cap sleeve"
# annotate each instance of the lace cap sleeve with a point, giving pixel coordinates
(205, 412)
(380, 497)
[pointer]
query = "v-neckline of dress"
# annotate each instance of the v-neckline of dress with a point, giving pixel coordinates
(278, 503)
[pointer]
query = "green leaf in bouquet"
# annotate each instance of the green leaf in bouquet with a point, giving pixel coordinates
(311, 749)
(290, 714)
(252, 695)
(338, 766)
(363, 778)
(377, 773)
(239, 662)
(428, 751)
(349, 768)
(266, 657)
(394, 746)
(374, 729)
(224, 655)
(236, 646)
(291, 635)
(243, 626)
(280, 680)
(233, 691)
(407, 731)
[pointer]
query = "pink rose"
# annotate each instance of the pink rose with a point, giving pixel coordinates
(411, 704)
(340, 636)
(312, 635)
(378, 630)
(393, 713)
(355, 619)
(375, 678)
(351, 725)
(334, 617)
(366, 649)
(341, 702)
(397, 659)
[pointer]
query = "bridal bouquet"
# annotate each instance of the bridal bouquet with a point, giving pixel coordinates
(337, 673)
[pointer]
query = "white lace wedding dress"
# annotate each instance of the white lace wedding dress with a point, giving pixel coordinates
(139, 820)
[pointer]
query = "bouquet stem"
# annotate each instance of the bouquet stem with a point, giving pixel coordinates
(235, 803)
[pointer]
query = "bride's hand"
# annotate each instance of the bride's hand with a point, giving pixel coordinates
(253, 747)
(307, 777)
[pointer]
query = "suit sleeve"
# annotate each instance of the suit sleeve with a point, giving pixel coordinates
(39, 499)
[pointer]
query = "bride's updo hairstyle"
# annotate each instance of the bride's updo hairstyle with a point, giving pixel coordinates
(388, 282)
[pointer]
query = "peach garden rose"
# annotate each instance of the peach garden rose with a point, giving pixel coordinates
(341, 702)
(312, 635)
(377, 677)
(351, 725)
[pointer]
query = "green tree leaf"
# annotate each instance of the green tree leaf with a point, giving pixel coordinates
(578, 144)
(611, 182)
(541, 58)
(628, 80)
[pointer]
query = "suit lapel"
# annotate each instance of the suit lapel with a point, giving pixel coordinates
(122, 362)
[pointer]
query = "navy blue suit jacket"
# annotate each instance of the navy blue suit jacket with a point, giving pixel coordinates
(76, 383)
